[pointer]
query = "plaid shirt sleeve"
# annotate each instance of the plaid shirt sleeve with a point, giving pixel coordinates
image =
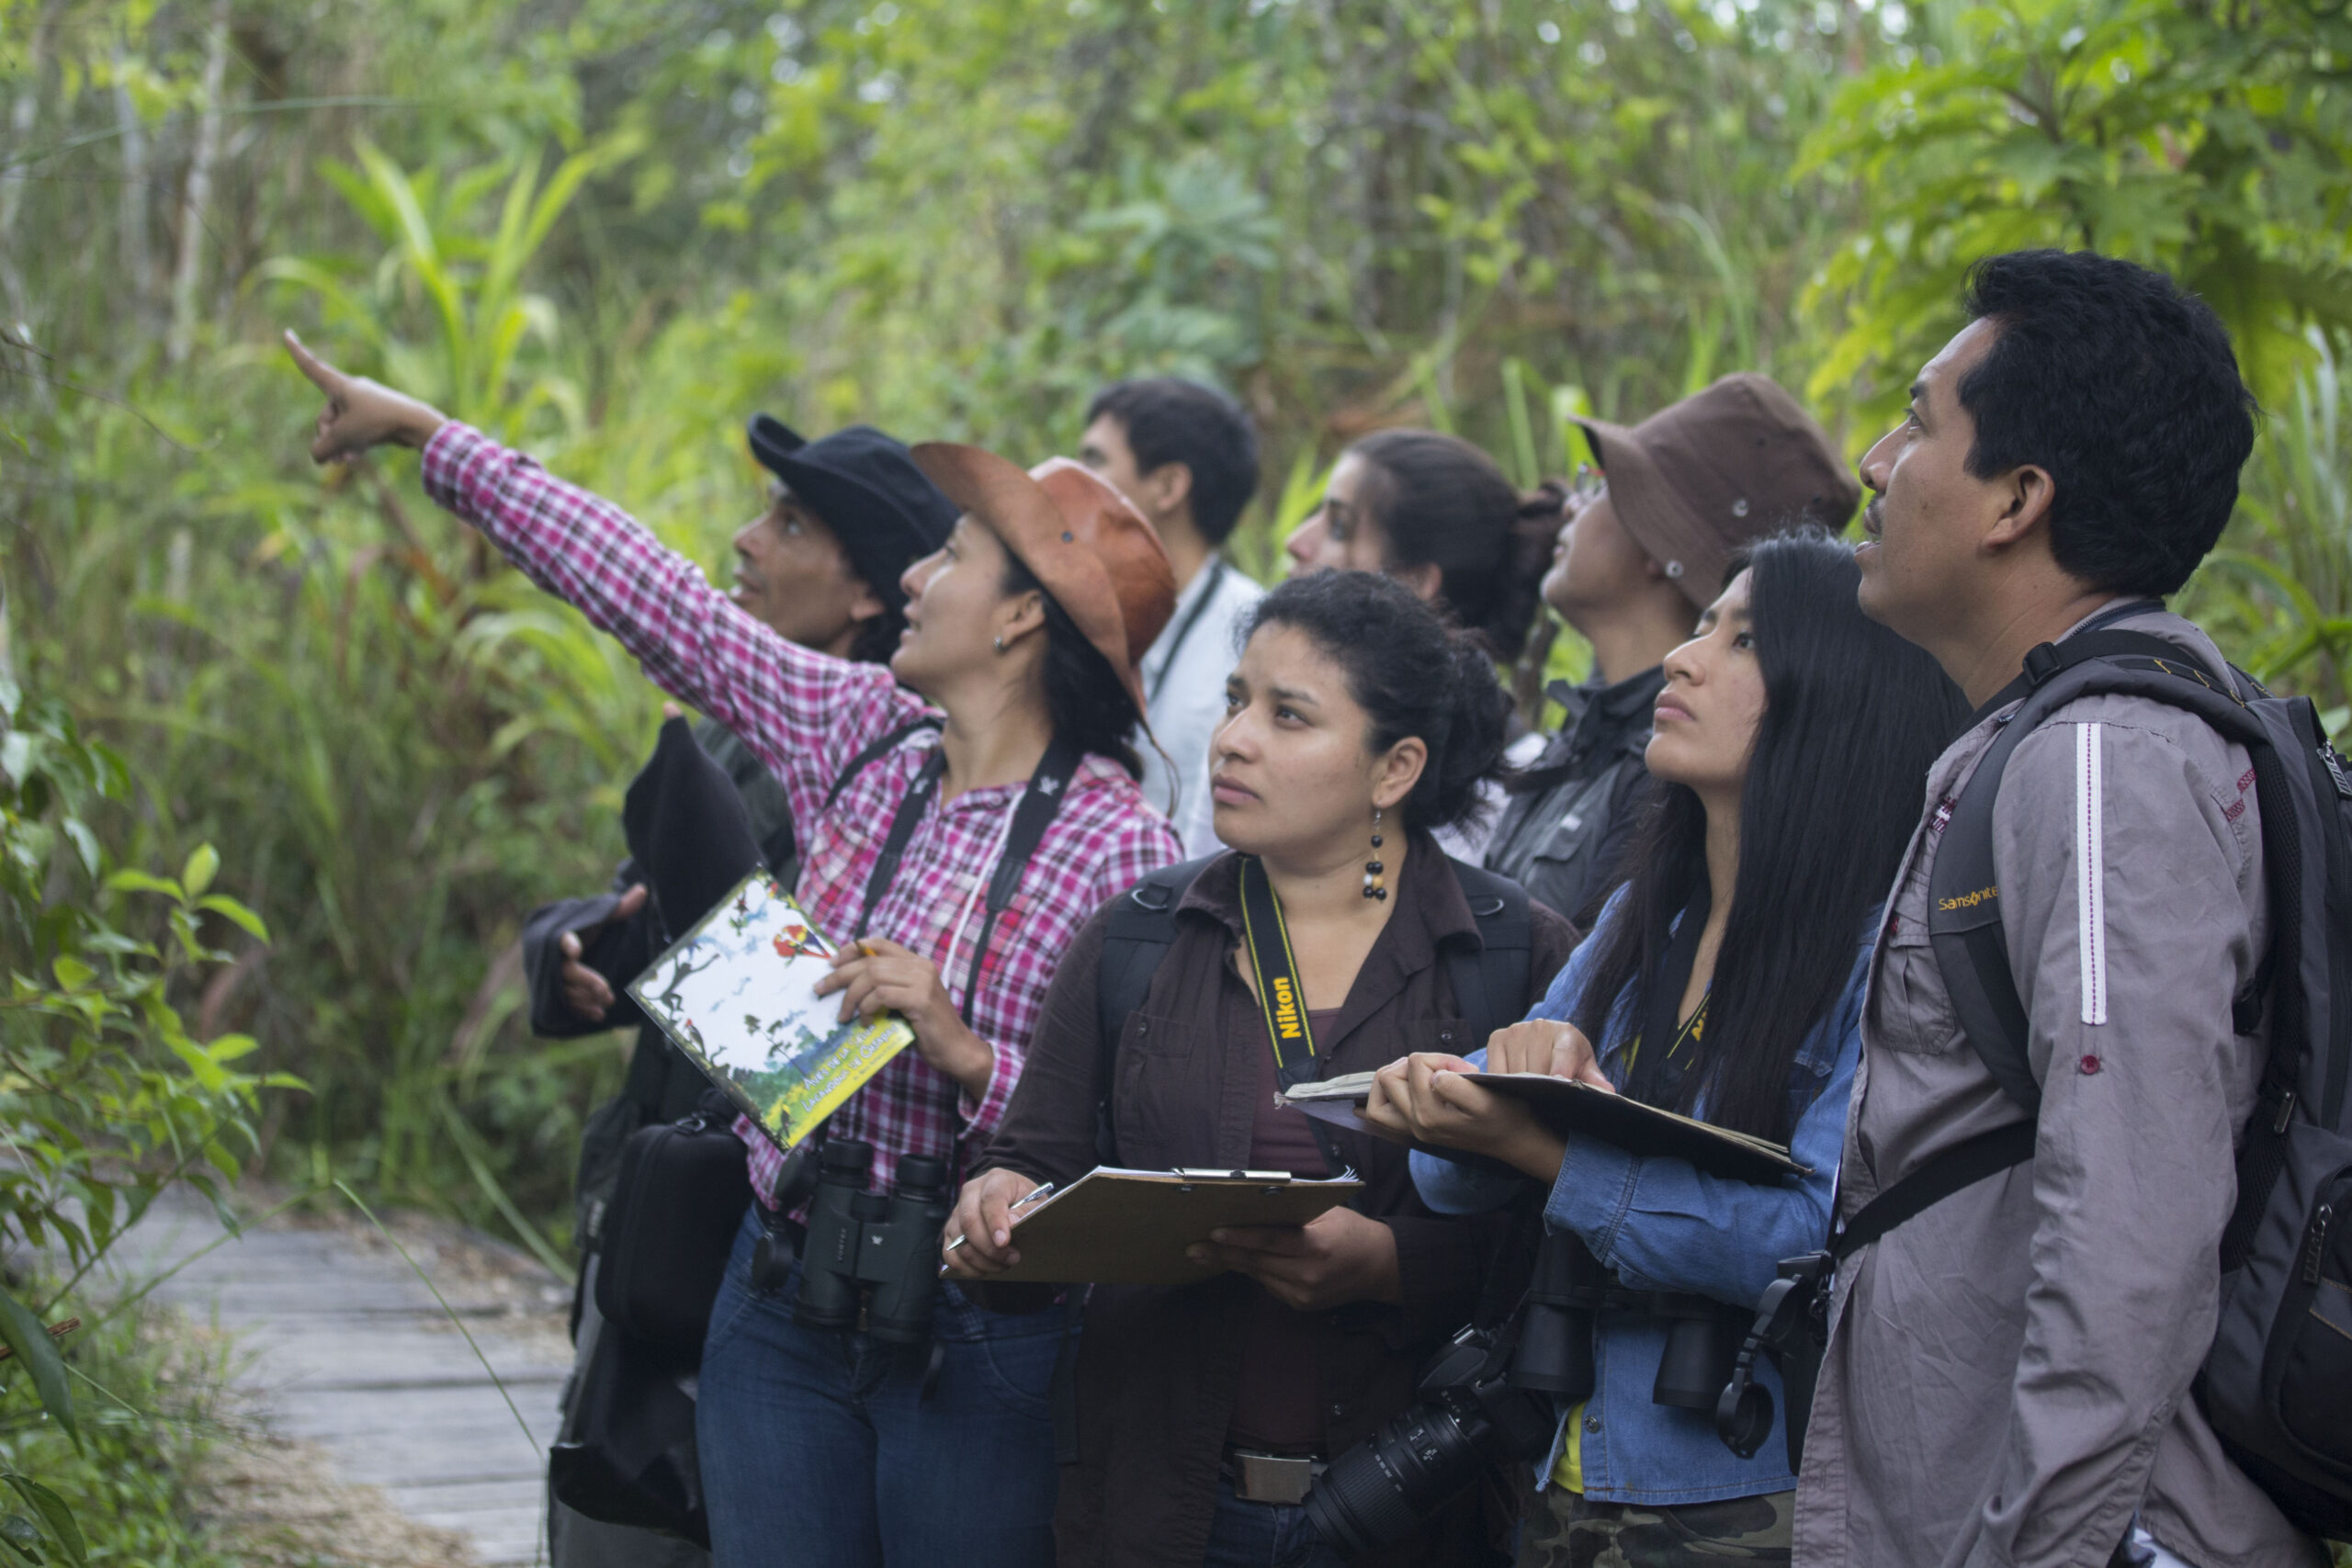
(804, 713)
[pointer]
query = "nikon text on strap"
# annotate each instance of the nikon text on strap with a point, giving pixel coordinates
(1491, 978)
(1282, 996)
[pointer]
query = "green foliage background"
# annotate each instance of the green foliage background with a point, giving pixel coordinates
(611, 228)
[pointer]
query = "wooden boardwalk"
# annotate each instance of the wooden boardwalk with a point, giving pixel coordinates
(341, 1346)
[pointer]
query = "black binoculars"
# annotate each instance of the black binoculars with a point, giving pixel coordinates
(1494, 1397)
(870, 1251)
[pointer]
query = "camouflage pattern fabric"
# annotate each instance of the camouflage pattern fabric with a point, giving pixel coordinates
(1565, 1530)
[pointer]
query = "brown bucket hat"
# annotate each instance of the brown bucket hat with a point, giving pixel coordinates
(1699, 478)
(1081, 538)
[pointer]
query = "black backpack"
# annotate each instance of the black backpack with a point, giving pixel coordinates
(2277, 1384)
(1490, 982)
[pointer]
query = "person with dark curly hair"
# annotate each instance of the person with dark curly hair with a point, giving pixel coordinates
(1358, 723)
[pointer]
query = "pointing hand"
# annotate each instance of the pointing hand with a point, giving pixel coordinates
(360, 413)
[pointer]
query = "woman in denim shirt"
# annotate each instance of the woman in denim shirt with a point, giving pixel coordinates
(1791, 739)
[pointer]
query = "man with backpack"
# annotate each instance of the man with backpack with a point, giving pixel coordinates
(2070, 1010)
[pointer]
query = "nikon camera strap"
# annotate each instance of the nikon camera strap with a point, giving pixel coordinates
(1282, 996)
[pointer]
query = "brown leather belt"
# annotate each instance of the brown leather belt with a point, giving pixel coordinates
(1271, 1478)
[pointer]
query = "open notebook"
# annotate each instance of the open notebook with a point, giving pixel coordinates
(1566, 1105)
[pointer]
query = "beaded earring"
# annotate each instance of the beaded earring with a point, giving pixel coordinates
(1375, 885)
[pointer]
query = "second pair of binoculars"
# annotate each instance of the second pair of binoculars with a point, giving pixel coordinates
(874, 1252)
(1703, 1335)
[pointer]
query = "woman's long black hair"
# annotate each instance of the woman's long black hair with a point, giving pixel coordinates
(1853, 717)
(1089, 707)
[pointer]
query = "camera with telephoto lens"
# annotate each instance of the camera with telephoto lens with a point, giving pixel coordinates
(1487, 1398)
(871, 1250)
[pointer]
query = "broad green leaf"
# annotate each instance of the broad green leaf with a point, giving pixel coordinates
(228, 1048)
(85, 844)
(236, 914)
(202, 864)
(37, 1354)
(54, 1514)
(128, 881)
(72, 973)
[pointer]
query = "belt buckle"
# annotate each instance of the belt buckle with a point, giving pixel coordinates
(1274, 1478)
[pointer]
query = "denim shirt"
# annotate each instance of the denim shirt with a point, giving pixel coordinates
(1662, 1225)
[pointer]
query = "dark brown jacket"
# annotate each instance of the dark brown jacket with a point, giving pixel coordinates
(1158, 1365)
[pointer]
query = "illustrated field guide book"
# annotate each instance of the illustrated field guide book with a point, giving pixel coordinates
(738, 995)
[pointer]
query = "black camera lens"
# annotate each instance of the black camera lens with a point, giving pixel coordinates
(1376, 1492)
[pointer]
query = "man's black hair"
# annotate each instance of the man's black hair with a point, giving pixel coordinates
(2123, 386)
(1173, 421)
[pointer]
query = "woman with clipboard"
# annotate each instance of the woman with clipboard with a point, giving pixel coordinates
(1333, 937)
(1023, 634)
(1725, 980)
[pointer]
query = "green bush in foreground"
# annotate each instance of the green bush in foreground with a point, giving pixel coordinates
(105, 1098)
(147, 1408)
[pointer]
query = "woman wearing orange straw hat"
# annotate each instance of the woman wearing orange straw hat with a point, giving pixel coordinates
(1023, 634)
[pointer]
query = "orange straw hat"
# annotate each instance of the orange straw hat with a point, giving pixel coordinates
(1078, 538)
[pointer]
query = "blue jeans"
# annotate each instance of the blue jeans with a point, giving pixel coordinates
(818, 1449)
(1263, 1535)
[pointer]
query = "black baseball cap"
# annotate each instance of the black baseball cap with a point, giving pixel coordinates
(864, 487)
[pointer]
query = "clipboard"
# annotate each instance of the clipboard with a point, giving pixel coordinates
(1114, 1226)
(1567, 1105)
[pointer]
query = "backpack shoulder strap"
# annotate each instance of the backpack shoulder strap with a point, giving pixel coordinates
(1138, 935)
(875, 749)
(1491, 982)
(1964, 895)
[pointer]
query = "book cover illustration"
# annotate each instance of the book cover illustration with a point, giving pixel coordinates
(738, 996)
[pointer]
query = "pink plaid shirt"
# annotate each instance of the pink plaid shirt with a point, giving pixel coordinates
(807, 716)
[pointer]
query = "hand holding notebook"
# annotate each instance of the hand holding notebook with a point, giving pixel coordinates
(1573, 1105)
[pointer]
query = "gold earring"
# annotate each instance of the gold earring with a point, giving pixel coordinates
(1375, 885)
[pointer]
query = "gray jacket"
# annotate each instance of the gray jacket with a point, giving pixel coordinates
(2008, 1378)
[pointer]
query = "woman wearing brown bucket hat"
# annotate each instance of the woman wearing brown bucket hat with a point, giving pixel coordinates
(1023, 634)
(1688, 488)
